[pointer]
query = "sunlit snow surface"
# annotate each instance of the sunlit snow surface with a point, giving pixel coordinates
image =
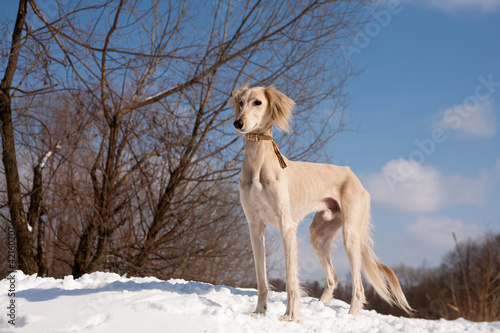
(107, 302)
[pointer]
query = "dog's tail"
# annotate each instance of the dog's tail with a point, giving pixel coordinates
(382, 278)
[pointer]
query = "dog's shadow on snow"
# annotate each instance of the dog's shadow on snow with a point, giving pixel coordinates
(184, 287)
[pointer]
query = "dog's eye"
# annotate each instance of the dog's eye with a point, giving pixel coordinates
(241, 103)
(257, 102)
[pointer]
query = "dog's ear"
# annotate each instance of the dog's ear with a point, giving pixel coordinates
(281, 108)
(236, 98)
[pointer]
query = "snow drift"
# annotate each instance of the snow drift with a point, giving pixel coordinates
(107, 302)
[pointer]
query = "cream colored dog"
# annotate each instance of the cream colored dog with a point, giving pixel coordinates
(282, 192)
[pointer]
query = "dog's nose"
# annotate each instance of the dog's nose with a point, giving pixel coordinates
(238, 124)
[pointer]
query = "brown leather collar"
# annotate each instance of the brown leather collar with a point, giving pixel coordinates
(267, 136)
(258, 137)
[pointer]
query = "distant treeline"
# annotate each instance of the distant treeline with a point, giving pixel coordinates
(466, 284)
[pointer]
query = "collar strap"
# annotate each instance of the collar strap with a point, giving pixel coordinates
(266, 137)
(259, 137)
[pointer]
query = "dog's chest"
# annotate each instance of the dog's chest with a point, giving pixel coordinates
(260, 199)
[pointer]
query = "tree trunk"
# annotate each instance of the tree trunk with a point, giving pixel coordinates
(26, 260)
(84, 251)
(25, 246)
(99, 227)
(41, 253)
(35, 215)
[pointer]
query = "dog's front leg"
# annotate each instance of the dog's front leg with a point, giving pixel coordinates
(257, 232)
(289, 237)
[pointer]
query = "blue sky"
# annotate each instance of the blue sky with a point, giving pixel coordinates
(427, 145)
(426, 113)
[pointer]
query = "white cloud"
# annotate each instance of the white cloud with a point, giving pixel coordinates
(409, 187)
(436, 231)
(456, 5)
(472, 118)
(405, 186)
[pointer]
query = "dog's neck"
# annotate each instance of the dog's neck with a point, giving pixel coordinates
(255, 147)
(266, 136)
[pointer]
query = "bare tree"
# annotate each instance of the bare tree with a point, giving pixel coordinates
(134, 118)
(18, 220)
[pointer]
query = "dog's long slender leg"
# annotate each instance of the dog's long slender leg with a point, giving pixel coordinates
(289, 237)
(354, 222)
(353, 251)
(257, 232)
(321, 234)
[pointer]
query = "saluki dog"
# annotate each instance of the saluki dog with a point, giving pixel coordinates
(282, 192)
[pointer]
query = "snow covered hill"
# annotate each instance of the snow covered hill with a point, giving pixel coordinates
(106, 302)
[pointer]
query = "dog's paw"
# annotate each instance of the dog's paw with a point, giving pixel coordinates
(257, 314)
(326, 299)
(289, 318)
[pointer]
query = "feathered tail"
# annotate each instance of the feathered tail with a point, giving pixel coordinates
(382, 278)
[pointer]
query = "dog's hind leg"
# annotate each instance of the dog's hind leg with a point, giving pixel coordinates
(321, 233)
(355, 216)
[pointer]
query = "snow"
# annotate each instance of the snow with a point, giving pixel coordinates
(155, 95)
(107, 302)
(45, 159)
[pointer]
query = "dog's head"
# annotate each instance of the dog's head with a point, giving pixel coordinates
(257, 109)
